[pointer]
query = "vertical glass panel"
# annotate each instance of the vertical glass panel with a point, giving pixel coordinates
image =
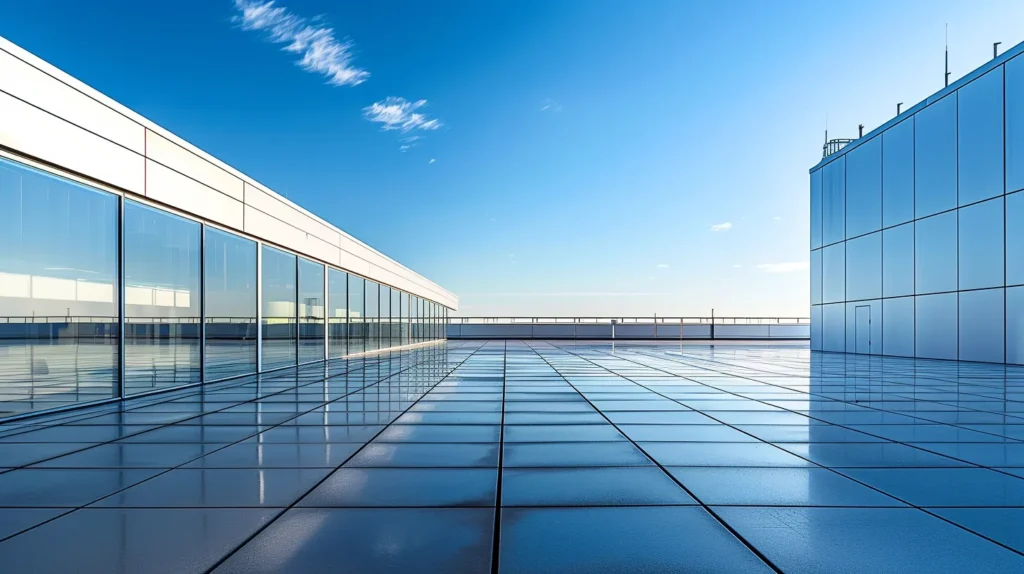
(898, 173)
(935, 249)
(980, 133)
(981, 325)
(864, 267)
(280, 310)
(162, 296)
(372, 314)
(816, 344)
(935, 157)
(337, 313)
(231, 305)
(385, 316)
(864, 188)
(1015, 324)
(405, 318)
(898, 327)
(58, 291)
(833, 273)
(834, 327)
(417, 315)
(396, 317)
(1015, 238)
(816, 209)
(816, 277)
(936, 326)
(1015, 124)
(981, 245)
(357, 325)
(898, 261)
(311, 311)
(834, 201)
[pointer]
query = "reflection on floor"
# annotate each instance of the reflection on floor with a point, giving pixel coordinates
(639, 458)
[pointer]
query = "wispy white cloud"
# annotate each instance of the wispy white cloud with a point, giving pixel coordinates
(395, 113)
(719, 227)
(662, 266)
(312, 40)
(549, 105)
(432, 160)
(787, 267)
(777, 218)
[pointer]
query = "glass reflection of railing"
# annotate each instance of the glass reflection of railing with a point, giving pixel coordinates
(629, 320)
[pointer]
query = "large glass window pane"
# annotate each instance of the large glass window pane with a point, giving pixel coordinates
(816, 209)
(58, 291)
(980, 133)
(357, 325)
(833, 273)
(864, 267)
(417, 312)
(898, 327)
(981, 325)
(816, 344)
(898, 261)
(231, 328)
(405, 318)
(279, 308)
(898, 173)
(833, 331)
(372, 314)
(981, 245)
(936, 326)
(385, 316)
(935, 157)
(864, 188)
(311, 311)
(935, 249)
(1015, 325)
(816, 277)
(1015, 124)
(834, 201)
(337, 313)
(1015, 239)
(162, 296)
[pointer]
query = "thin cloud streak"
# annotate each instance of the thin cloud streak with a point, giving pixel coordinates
(720, 227)
(394, 113)
(662, 266)
(319, 51)
(787, 267)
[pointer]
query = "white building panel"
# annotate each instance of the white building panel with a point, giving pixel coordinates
(171, 188)
(172, 155)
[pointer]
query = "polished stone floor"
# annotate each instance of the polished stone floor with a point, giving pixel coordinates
(535, 457)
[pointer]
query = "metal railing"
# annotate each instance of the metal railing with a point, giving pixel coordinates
(833, 146)
(629, 328)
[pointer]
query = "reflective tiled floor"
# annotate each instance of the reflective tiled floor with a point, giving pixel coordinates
(535, 457)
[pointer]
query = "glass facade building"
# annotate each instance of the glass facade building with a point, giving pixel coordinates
(132, 262)
(916, 228)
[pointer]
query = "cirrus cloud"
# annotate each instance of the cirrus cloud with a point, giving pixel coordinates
(394, 113)
(720, 227)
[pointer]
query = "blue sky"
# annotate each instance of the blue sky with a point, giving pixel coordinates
(580, 157)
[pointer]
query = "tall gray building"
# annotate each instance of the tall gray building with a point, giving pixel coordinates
(917, 228)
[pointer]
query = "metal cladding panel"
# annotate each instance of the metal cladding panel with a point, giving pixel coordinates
(172, 155)
(602, 331)
(635, 330)
(742, 331)
(696, 331)
(26, 82)
(41, 135)
(169, 187)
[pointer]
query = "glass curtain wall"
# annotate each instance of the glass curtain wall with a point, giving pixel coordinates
(385, 316)
(231, 304)
(279, 308)
(162, 299)
(337, 314)
(404, 328)
(311, 311)
(371, 310)
(396, 317)
(59, 307)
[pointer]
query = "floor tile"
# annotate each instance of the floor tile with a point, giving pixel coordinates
(720, 454)
(610, 486)
(65, 487)
(192, 487)
(1004, 525)
(562, 433)
(440, 433)
(426, 455)
(866, 540)
(406, 487)
(573, 454)
(371, 540)
(625, 539)
(944, 486)
(777, 487)
(877, 455)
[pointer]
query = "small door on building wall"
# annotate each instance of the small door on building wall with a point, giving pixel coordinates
(863, 329)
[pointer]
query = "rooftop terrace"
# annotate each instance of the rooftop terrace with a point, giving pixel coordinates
(534, 456)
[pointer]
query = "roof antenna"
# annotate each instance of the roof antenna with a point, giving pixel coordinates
(898, 106)
(860, 130)
(946, 77)
(995, 50)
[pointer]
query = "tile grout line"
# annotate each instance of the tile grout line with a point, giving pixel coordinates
(496, 542)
